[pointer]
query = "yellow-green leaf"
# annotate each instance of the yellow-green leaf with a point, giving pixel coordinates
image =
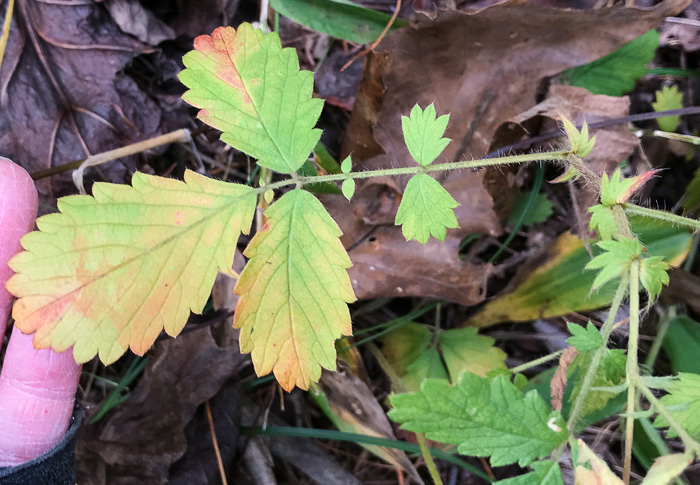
(110, 272)
(294, 292)
(666, 468)
(666, 99)
(591, 469)
(555, 283)
(252, 90)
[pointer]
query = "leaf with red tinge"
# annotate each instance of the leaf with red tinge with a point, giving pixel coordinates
(294, 292)
(252, 90)
(615, 191)
(110, 272)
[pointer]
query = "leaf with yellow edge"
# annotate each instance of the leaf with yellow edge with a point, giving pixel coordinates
(109, 272)
(294, 292)
(591, 469)
(252, 90)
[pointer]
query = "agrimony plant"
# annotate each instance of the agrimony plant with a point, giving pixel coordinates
(110, 271)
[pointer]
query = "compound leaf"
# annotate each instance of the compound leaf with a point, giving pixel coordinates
(109, 272)
(683, 402)
(252, 90)
(426, 210)
(615, 260)
(484, 417)
(543, 473)
(294, 292)
(422, 131)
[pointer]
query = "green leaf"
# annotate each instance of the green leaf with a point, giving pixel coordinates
(464, 350)
(668, 98)
(615, 191)
(484, 417)
(543, 473)
(340, 19)
(667, 468)
(682, 344)
(610, 373)
(581, 144)
(110, 272)
(346, 166)
(615, 260)
(691, 201)
(588, 338)
(325, 160)
(616, 73)
(422, 131)
(653, 275)
(684, 394)
(426, 210)
(540, 211)
(409, 351)
(348, 188)
(252, 90)
(603, 221)
(294, 292)
(558, 285)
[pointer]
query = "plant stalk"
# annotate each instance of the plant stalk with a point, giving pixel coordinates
(440, 167)
(536, 362)
(429, 462)
(669, 217)
(575, 414)
(632, 369)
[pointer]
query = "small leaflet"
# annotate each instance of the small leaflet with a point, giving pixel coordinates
(422, 131)
(426, 209)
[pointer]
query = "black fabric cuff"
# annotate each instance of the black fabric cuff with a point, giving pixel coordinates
(55, 467)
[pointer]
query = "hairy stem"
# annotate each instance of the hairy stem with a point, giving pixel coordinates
(669, 217)
(575, 414)
(632, 369)
(536, 362)
(440, 167)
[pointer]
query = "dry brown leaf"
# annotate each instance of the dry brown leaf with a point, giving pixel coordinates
(63, 95)
(613, 144)
(146, 435)
(484, 68)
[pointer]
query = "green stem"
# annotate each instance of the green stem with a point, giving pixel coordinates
(575, 414)
(662, 216)
(429, 462)
(536, 362)
(688, 441)
(632, 369)
(440, 167)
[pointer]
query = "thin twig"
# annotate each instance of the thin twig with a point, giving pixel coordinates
(215, 442)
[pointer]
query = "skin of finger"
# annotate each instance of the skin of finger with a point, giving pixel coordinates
(37, 393)
(37, 387)
(18, 206)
